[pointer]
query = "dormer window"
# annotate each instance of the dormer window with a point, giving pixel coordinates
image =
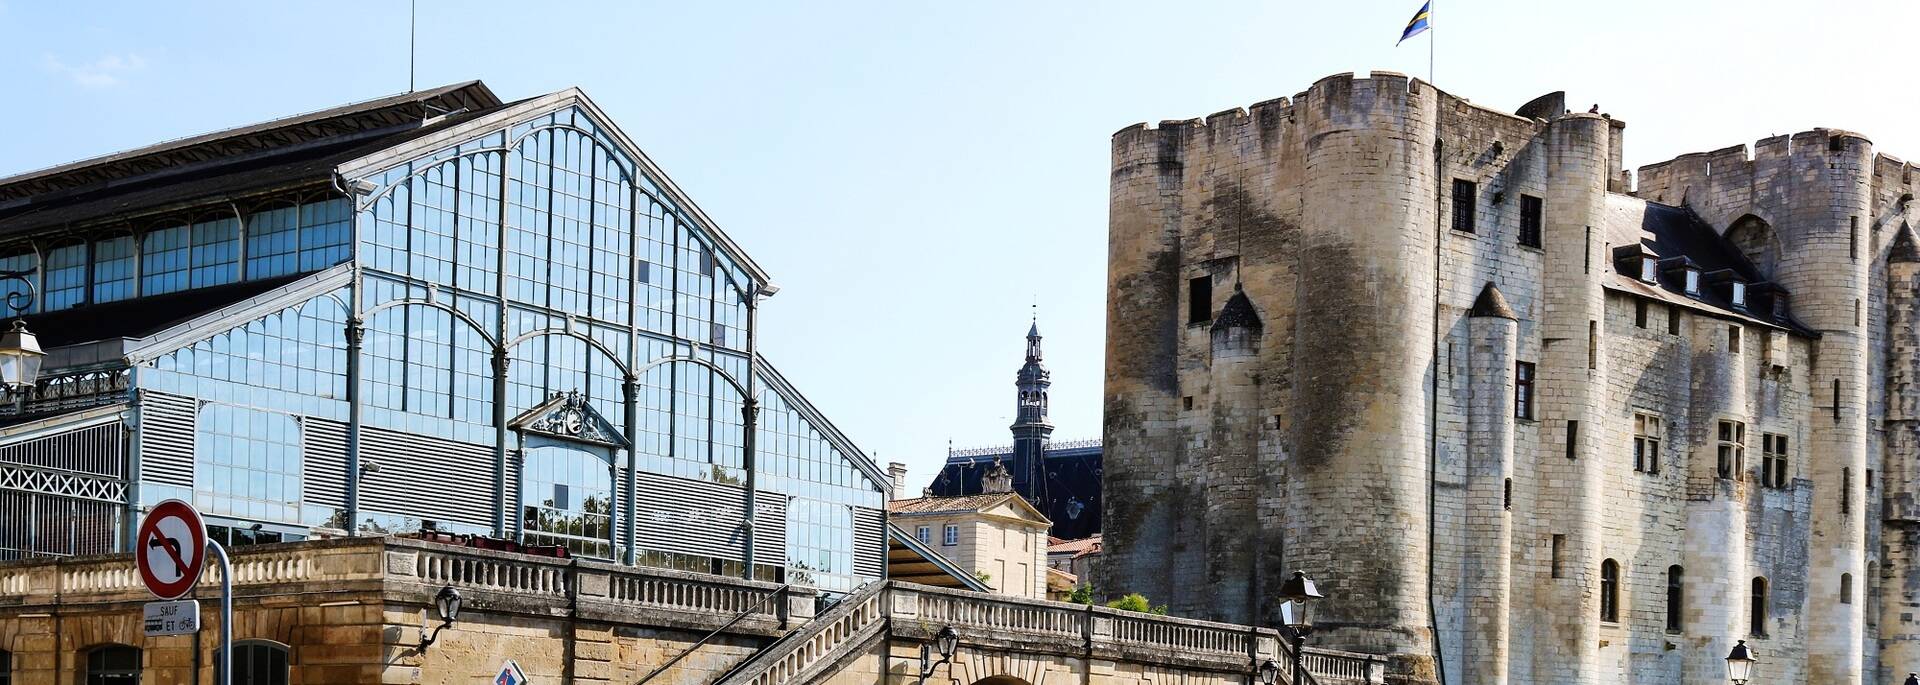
(1739, 295)
(1693, 281)
(1650, 270)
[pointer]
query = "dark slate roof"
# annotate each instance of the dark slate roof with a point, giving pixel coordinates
(141, 317)
(336, 122)
(1903, 248)
(1237, 312)
(1490, 303)
(1073, 490)
(205, 182)
(1669, 232)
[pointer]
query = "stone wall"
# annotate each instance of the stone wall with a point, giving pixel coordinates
(1381, 460)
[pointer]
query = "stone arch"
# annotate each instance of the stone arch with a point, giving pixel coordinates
(1001, 680)
(1758, 241)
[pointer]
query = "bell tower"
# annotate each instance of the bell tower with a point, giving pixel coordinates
(1031, 431)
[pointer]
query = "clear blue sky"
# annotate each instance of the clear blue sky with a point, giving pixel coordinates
(916, 174)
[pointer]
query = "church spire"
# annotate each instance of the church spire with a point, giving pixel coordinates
(1031, 431)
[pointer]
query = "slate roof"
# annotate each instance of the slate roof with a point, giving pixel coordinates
(141, 317)
(1668, 232)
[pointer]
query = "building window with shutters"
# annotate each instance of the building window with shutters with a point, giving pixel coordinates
(950, 536)
(1647, 432)
(1773, 461)
(1531, 219)
(1464, 205)
(1523, 390)
(1732, 449)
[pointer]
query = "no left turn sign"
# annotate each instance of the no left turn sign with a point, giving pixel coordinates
(170, 549)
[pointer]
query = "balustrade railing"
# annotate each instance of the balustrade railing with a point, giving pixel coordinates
(989, 614)
(819, 640)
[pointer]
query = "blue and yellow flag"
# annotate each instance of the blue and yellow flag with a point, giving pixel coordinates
(1420, 23)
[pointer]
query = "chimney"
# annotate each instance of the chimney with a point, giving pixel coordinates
(898, 472)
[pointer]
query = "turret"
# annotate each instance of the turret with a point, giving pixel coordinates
(1031, 431)
(1233, 415)
(1900, 531)
(1360, 428)
(1493, 338)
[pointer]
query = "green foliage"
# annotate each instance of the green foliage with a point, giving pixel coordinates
(1134, 601)
(1082, 594)
(984, 576)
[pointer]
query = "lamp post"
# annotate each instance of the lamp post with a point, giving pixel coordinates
(1912, 679)
(946, 641)
(1740, 663)
(1295, 614)
(447, 603)
(1269, 672)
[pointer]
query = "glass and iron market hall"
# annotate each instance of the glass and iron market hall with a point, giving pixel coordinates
(433, 310)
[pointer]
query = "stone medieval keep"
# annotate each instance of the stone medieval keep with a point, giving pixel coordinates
(1525, 417)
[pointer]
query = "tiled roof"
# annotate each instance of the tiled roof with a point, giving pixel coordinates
(1078, 548)
(961, 503)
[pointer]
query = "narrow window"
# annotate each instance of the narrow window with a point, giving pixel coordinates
(1733, 339)
(1559, 551)
(1593, 344)
(1646, 443)
(1531, 214)
(1463, 205)
(1186, 403)
(1846, 588)
(1732, 448)
(1740, 295)
(1673, 320)
(1693, 282)
(1200, 300)
(950, 535)
(1523, 390)
(1586, 267)
(1649, 270)
(1676, 599)
(1640, 313)
(1836, 399)
(925, 534)
(1846, 489)
(1573, 437)
(1610, 591)
(1853, 238)
(1506, 500)
(1856, 311)
(1757, 612)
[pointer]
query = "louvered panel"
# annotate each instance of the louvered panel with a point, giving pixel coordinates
(870, 542)
(166, 439)
(324, 448)
(690, 517)
(94, 450)
(770, 529)
(427, 478)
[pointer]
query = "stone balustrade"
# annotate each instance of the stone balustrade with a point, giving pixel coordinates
(797, 657)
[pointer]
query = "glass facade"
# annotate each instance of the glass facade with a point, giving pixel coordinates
(566, 499)
(605, 278)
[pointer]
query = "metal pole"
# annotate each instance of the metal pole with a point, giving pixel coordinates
(223, 672)
(1299, 644)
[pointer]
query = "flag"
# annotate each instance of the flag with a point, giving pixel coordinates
(1420, 23)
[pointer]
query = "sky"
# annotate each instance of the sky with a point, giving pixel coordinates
(922, 178)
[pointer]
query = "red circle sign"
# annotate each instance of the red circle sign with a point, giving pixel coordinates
(170, 549)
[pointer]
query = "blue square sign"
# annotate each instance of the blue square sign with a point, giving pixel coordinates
(510, 675)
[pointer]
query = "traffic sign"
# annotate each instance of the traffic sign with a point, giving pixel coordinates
(176, 617)
(510, 675)
(170, 549)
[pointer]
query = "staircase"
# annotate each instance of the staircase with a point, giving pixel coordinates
(800, 656)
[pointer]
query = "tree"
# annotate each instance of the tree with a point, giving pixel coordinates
(1082, 594)
(1134, 601)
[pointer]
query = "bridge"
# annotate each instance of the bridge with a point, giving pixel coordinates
(355, 610)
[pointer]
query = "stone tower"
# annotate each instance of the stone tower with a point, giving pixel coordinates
(1525, 416)
(1031, 431)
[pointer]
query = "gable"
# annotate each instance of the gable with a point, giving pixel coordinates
(505, 128)
(569, 417)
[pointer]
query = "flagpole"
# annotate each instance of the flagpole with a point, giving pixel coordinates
(1432, 38)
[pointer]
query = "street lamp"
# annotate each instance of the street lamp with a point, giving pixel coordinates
(946, 641)
(1912, 679)
(1296, 614)
(1269, 672)
(447, 603)
(1740, 663)
(20, 357)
